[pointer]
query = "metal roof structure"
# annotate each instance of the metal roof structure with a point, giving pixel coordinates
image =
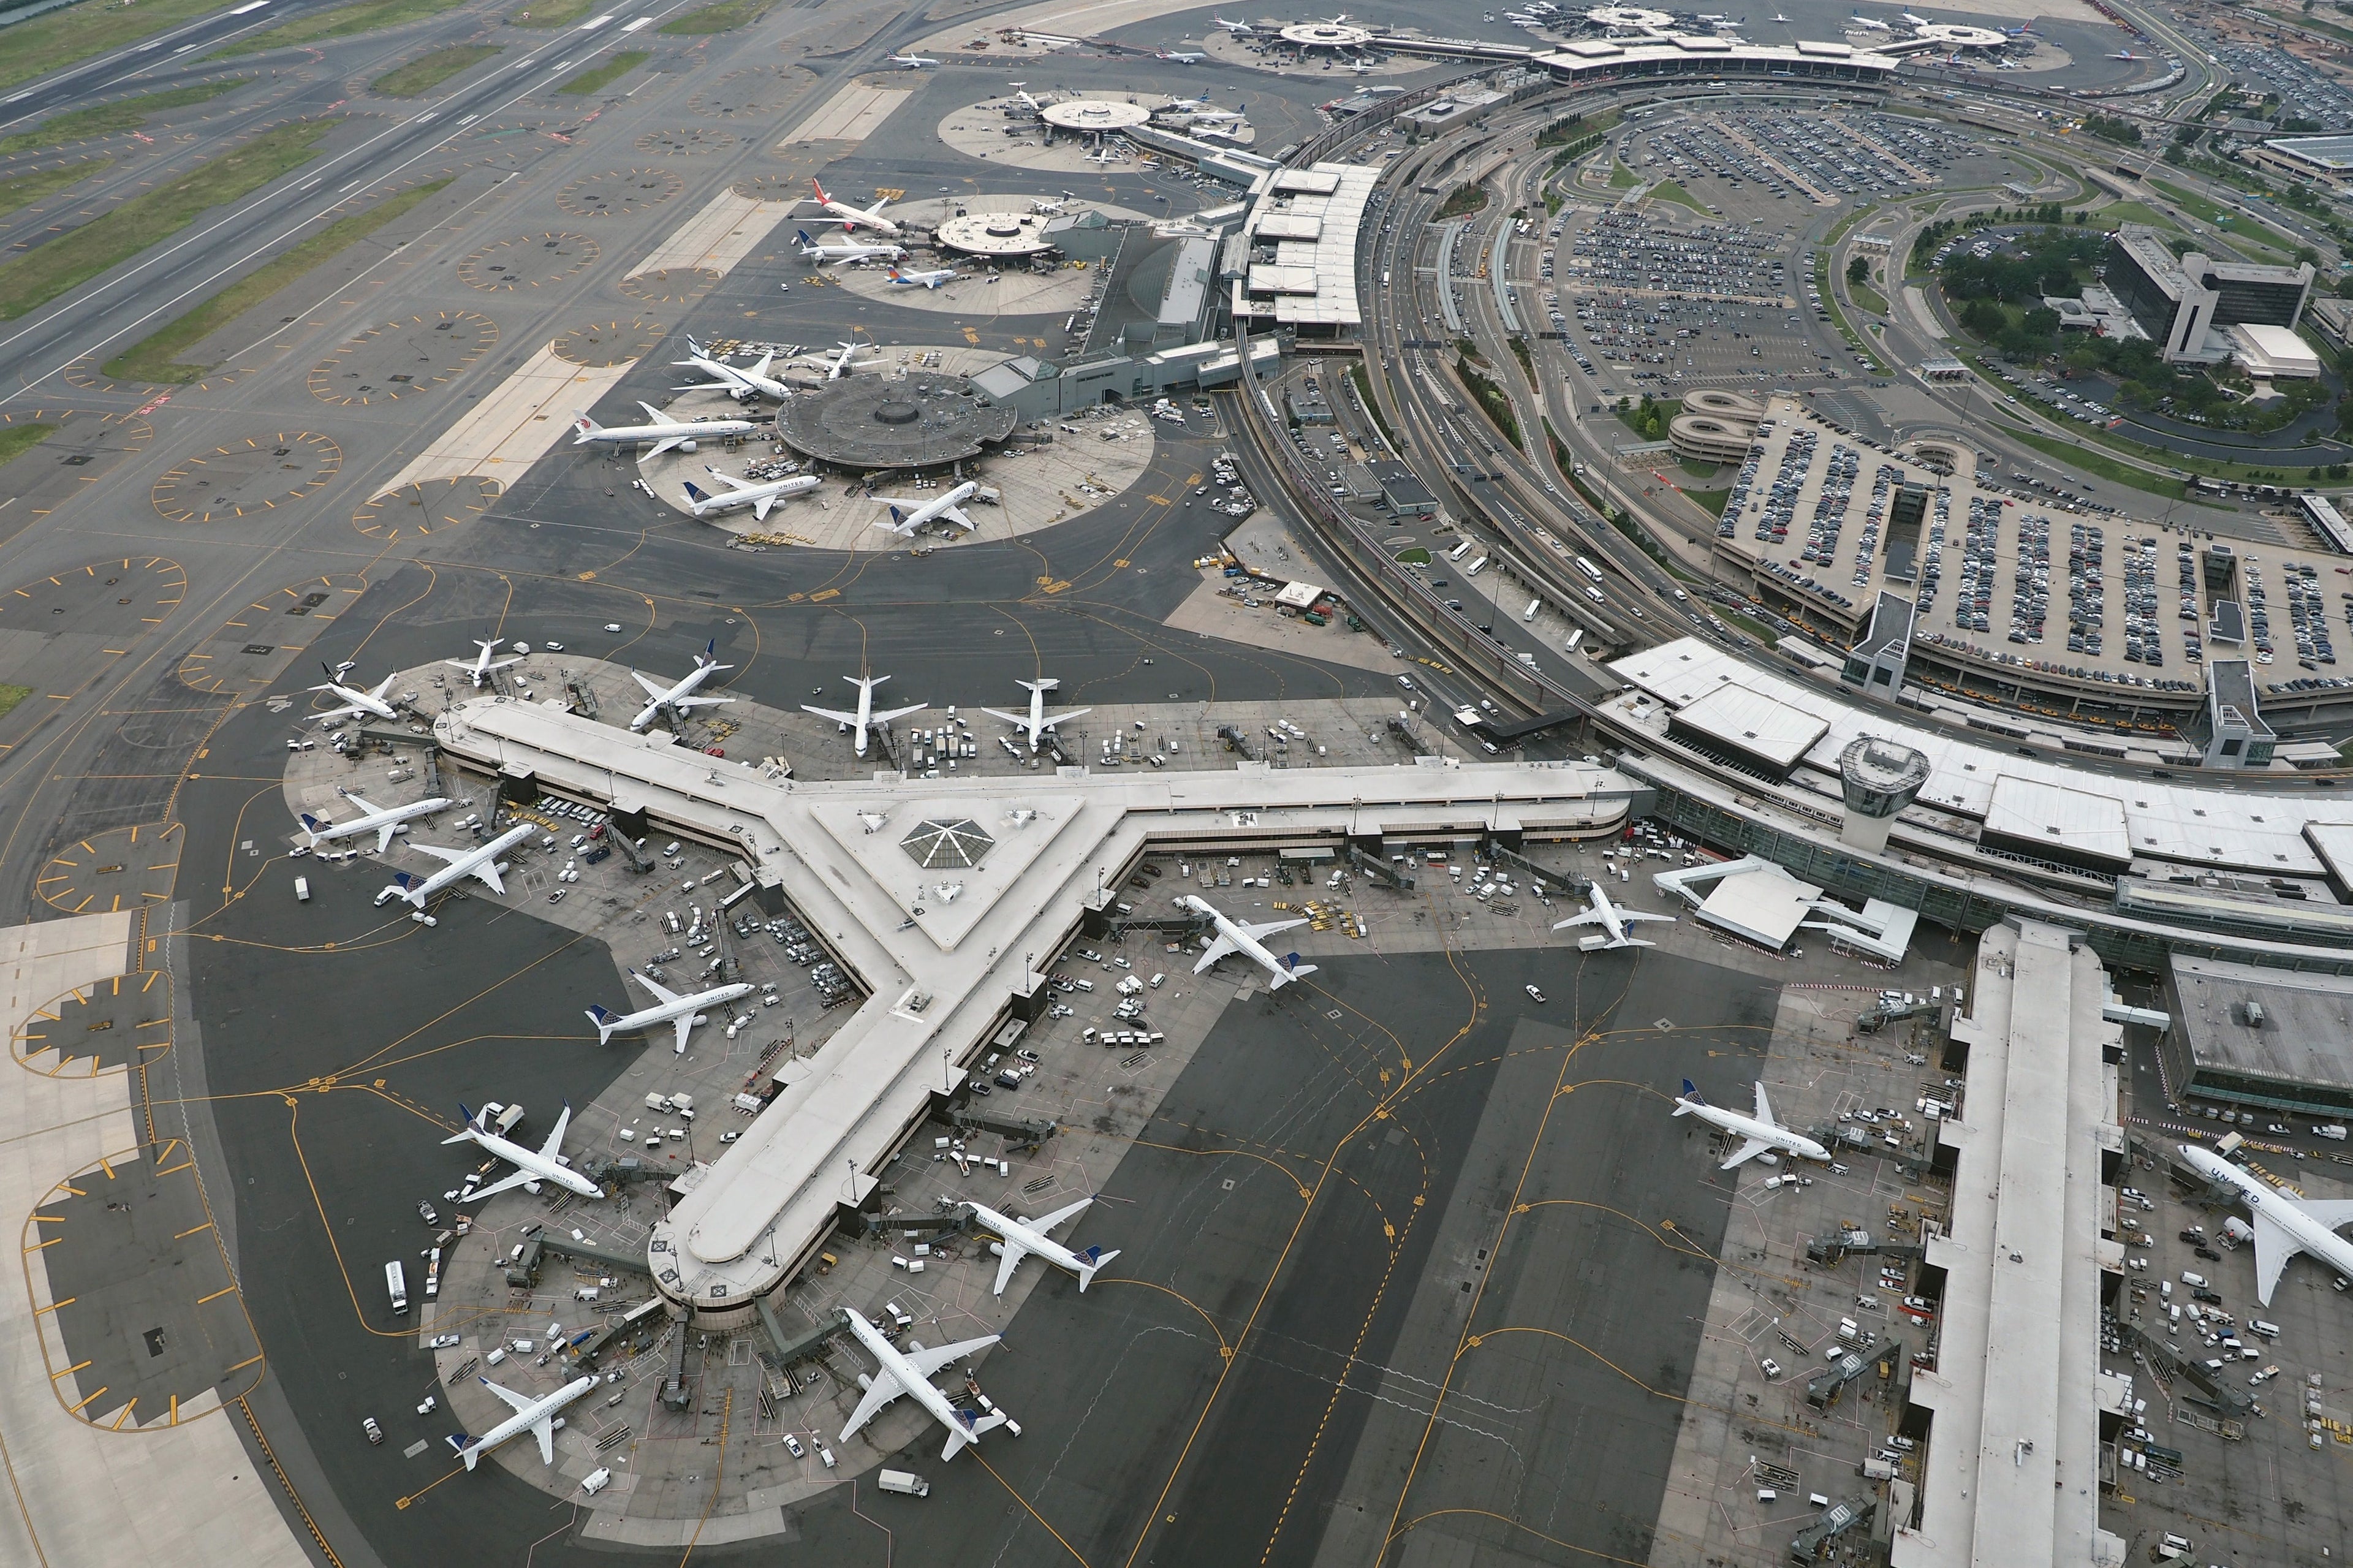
(869, 422)
(995, 236)
(947, 978)
(2297, 1035)
(1311, 218)
(1753, 725)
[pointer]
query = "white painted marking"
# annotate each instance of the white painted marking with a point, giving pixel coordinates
(593, 23)
(308, 183)
(423, 117)
(17, 97)
(469, 120)
(640, 22)
(248, 6)
(183, 48)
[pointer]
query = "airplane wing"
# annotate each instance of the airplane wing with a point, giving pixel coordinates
(1019, 721)
(519, 1402)
(2330, 1212)
(2274, 1248)
(929, 1361)
(835, 714)
(730, 480)
(1589, 918)
(664, 993)
(901, 502)
(701, 701)
(555, 1139)
(652, 691)
(365, 809)
(882, 1391)
(452, 856)
(761, 508)
(666, 444)
(1764, 1107)
(1631, 916)
(545, 1430)
(383, 837)
(684, 1025)
(487, 869)
(886, 715)
(1014, 1253)
(1269, 928)
(955, 514)
(503, 1184)
(1746, 1151)
(1046, 1226)
(1214, 952)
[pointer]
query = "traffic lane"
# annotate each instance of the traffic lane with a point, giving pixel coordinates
(109, 309)
(73, 86)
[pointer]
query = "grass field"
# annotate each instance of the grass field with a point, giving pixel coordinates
(17, 439)
(12, 695)
(426, 72)
(554, 14)
(719, 18)
(49, 42)
(1672, 191)
(596, 78)
(76, 258)
(108, 119)
(30, 188)
(1623, 178)
(2076, 454)
(341, 22)
(1869, 298)
(156, 357)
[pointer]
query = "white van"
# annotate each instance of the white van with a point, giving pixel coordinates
(1460, 551)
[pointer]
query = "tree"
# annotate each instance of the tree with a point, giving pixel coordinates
(1983, 318)
(1858, 270)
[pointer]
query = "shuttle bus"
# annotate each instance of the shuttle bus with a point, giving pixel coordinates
(1475, 567)
(1530, 613)
(1589, 568)
(395, 1282)
(1576, 640)
(1460, 551)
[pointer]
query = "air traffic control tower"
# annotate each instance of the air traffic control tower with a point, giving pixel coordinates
(1879, 778)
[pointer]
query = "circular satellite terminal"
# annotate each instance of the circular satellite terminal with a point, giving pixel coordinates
(869, 422)
(1959, 35)
(1327, 35)
(1093, 114)
(1631, 17)
(994, 236)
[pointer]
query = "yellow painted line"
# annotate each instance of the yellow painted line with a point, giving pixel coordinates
(175, 1410)
(175, 1170)
(193, 1230)
(243, 1364)
(38, 1245)
(76, 1409)
(51, 1218)
(106, 1168)
(127, 1409)
(69, 1370)
(55, 1305)
(224, 1290)
(69, 1187)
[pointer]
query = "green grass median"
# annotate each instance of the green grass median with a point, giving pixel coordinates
(596, 78)
(112, 119)
(369, 16)
(426, 72)
(25, 191)
(56, 40)
(719, 18)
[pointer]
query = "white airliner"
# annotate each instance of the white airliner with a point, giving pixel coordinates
(921, 514)
(1023, 1238)
(1869, 24)
(1182, 57)
(663, 432)
(850, 251)
(913, 62)
(911, 1373)
(865, 717)
(737, 382)
(851, 216)
(481, 863)
(676, 700)
(1917, 21)
(1238, 936)
(479, 669)
(1781, 18)
(1760, 1132)
(1613, 921)
(2285, 1225)
(2124, 55)
(542, 1164)
(931, 280)
(1243, 28)
(1037, 724)
(355, 702)
(536, 1417)
(384, 822)
(841, 362)
(681, 1012)
(744, 492)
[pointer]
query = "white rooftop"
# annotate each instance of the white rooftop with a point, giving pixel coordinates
(1753, 722)
(1312, 216)
(942, 981)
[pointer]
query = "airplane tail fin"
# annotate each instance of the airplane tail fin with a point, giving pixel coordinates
(583, 428)
(603, 1021)
(803, 235)
(465, 1135)
(695, 496)
(313, 827)
(403, 881)
(962, 1436)
(1095, 1258)
(1692, 1096)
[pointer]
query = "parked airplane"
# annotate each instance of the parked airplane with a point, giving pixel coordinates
(2126, 55)
(479, 669)
(1600, 911)
(1868, 24)
(1022, 1238)
(1243, 29)
(1238, 936)
(683, 1013)
(536, 1417)
(383, 822)
(1037, 724)
(542, 1164)
(1781, 18)
(913, 62)
(482, 862)
(839, 364)
(911, 1373)
(663, 431)
(738, 383)
(865, 717)
(2285, 1225)
(849, 251)
(851, 216)
(676, 700)
(355, 702)
(1917, 21)
(944, 509)
(931, 280)
(1182, 57)
(1760, 1132)
(759, 497)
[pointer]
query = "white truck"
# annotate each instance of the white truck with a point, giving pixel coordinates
(2334, 1131)
(905, 1482)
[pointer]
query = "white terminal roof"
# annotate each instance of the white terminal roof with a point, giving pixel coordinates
(1312, 217)
(2013, 1457)
(942, 981)
(1753, 722)
(1595, 55)
(2072, 821)
(2241, 829)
